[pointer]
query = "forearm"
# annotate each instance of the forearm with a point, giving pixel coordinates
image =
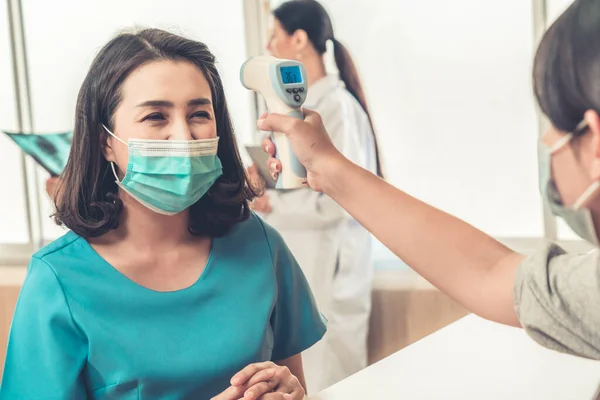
(470, 266)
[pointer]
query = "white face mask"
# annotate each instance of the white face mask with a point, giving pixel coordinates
(576, 216)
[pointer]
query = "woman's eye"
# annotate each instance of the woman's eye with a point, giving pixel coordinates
(201, 114)
(155, 117)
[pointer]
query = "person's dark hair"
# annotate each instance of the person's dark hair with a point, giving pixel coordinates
(88, 201)
(566, 72)
(311, 17)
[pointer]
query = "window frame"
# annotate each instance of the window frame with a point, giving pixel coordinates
(256, 15)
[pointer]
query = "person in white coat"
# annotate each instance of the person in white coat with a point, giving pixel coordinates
(333, 249)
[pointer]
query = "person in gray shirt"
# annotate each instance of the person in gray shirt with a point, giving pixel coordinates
(555, 296)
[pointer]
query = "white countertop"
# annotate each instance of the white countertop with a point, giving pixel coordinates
(473, 359)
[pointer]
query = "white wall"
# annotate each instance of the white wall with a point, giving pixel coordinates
(556, 7)
(63, 37)
(13, 226)
(449, 86)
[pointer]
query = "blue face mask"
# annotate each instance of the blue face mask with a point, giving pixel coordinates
(576, 216)
(169, 176)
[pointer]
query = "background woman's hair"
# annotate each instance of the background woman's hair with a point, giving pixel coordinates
(566, 71)
(88, 201)
(311, 17)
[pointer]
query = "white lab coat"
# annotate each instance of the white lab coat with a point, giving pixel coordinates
(333, 250)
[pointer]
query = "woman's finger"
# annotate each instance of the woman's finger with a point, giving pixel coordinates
(261, 388)
(276, 396)
(268, 146)
(297, 394)
(262, 376)
(274, 165)
(244, 375)
(288, 384)
(231, 393)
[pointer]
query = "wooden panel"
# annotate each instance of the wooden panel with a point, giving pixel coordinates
(406, 311)
(8, 300)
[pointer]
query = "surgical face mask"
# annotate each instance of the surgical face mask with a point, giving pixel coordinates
(168, 176)
(576, 216)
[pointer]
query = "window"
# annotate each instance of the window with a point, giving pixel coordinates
(61, 49)
(449, 88)
(13, 216)
(448, 85)
(554, 8)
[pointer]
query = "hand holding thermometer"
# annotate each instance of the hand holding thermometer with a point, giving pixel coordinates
(282, 83)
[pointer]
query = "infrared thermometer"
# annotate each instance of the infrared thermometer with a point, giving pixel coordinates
(282, 83)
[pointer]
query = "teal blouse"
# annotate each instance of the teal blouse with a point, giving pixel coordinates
(82, 330)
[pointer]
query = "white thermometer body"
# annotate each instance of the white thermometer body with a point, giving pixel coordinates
(282, 83)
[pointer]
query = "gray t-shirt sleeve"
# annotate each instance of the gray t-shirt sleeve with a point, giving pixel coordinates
(557, 300)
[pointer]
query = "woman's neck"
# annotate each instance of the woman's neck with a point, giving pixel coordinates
(315, 69)
(148, 230)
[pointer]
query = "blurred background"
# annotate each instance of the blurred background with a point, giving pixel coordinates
(448, 85)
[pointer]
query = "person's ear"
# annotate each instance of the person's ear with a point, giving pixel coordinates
(107, 149)
(593, 122)
(300, 41)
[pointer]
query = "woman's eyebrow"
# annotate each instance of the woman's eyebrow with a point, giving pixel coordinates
(201, 101)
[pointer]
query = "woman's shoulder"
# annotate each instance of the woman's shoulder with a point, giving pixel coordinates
(56, 253)
(252, 232)
(58, 245)
(341, 103)
(47, 266)
(254, 226)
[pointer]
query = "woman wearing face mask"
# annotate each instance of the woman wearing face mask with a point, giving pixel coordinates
(553, 295)
(167, 287)
(333, 250)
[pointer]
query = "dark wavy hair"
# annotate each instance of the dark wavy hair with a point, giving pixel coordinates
(566, 72)
(88, 201)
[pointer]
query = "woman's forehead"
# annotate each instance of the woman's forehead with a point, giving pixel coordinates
(174, 81)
